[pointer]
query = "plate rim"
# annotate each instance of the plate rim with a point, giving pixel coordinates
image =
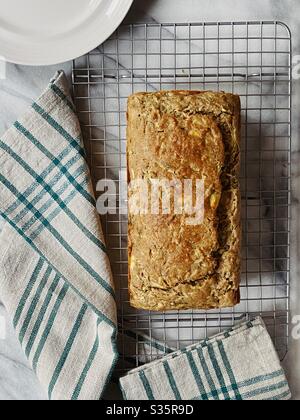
(81, 51)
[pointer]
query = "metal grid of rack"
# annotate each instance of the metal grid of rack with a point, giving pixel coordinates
(252, 59)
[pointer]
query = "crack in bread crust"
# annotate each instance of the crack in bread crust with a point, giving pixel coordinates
(186, 135)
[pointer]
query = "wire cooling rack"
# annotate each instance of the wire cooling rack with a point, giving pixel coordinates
(252, 59)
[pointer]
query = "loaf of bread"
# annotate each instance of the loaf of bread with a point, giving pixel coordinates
(180, 135)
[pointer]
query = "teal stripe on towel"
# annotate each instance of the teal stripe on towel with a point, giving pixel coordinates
(245, 384)
(63, 170)
(57, 236)
(172, 381)
(62, 96)
(229, 370)
(196, 375)
(53, 182)
(28, 290)
(218, 371)
(55, 212)
(54, 124)
(41, 315)
(49, 326)
(35, 185)
(37, 250)
(34, 304)
(67, 350)
(280, 397)
(265, 390)
(49, 203)
(52, 193)
(207, 374)
(146, 386)
(88, 365)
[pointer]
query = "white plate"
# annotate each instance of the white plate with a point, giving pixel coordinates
(41, 32)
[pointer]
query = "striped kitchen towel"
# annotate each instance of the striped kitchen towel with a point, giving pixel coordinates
(55, 278)
(240, 364)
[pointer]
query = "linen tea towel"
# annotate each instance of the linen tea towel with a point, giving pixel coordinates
(240, 364)
(55, 278)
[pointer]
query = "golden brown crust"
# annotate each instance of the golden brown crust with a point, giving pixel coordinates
(186, 135)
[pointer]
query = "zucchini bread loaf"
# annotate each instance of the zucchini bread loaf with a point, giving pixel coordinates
(184, 135)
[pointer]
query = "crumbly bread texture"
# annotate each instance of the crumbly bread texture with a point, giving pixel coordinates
(186, 135)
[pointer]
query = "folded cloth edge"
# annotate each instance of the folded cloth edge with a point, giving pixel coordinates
(209, 342)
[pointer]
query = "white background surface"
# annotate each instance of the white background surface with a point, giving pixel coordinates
(23, 84)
